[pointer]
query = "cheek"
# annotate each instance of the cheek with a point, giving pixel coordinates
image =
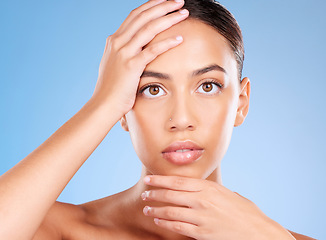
(220, 112)
(217, 118)
(145, 122)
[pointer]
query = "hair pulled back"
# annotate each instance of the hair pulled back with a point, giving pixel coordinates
(216, 15)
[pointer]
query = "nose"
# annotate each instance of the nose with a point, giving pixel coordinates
(182, 114)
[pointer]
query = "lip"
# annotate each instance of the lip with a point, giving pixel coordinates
(181, 158)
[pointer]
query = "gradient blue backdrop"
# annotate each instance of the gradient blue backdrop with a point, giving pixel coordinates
(50, 52)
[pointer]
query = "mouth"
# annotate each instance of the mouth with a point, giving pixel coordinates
(181, 153)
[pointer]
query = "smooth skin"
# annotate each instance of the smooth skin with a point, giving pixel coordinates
(28, 192)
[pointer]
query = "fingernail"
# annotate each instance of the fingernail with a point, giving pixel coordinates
(147, 179)
(145, 195)
(146, 210)
(178, 1)
(156, 220)
(179, 38)
(183, 11)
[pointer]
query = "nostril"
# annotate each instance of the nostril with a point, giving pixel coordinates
(190, 127)
(181, 121)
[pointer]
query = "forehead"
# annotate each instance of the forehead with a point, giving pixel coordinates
(202, 46)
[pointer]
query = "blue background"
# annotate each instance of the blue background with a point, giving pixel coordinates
(49, 57)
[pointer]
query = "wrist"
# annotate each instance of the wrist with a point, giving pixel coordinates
(111, 103)
(107, 108)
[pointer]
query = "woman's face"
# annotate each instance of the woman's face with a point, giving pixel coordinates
(204, 104)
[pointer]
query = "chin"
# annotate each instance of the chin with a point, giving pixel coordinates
(182, 171)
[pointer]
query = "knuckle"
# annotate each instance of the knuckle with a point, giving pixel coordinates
(171, 213)
(179, 182)
(107, 43)
(145, 13)
(178, 227)
(114, 42)
(204, 204)
(108, 39)
(145, 57)
(148, 28)
(142, 14)
(168, 194)
(153, 49)
(133, 12)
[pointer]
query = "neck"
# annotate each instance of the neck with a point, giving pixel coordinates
(136, 205)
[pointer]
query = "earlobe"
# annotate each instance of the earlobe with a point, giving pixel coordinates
(243, 103)
(124, 124)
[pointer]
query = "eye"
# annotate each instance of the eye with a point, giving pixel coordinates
(152, 91)
(210, 87)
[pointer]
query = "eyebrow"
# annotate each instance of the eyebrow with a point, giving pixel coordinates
(213, 67)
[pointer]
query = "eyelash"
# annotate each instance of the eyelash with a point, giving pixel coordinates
(220, 85)
(147, 86)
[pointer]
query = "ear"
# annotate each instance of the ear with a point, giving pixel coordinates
(243, 104)
(124, 124)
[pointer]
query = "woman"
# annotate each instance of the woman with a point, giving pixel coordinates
(174, 82)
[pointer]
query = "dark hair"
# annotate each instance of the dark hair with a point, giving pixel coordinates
(216, 15)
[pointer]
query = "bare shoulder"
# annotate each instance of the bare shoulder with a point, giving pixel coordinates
(99, 219)
(58, 220)
(300, 236)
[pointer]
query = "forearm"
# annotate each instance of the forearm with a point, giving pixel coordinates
(29, 189)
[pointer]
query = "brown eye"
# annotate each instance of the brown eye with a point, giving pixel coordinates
(210, 88)
(154, 90)
(207, 87)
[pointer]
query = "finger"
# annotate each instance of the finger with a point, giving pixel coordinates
(134, 13)
(193, 200)
(183, 228)
(151, 52)
(187, 199)
(146, 17)
(173, 214)
(150, 30)
(178, 183)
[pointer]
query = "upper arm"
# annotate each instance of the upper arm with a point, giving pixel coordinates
(50, 227)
